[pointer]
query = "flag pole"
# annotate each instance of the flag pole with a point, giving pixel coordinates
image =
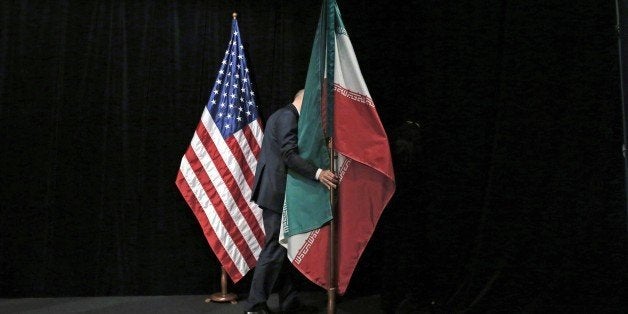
(333, 286)
(327, 90)
(223, 295)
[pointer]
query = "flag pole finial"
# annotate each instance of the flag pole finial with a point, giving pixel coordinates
(234, 15)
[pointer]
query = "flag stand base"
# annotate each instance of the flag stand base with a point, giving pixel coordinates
(223, 296)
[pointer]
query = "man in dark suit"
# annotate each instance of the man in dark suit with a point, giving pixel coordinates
(279, 153)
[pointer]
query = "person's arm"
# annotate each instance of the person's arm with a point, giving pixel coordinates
(286, 130)
(287, 127)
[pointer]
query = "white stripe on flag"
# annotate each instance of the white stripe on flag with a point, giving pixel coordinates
(225, 152)
(297, 246)
(234, 168)
(244, 145)
(346, 62)
(258, 132)
(221, 187)
(221, 233)
(252, 163)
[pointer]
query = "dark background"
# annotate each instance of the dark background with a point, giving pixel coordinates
(511, 200)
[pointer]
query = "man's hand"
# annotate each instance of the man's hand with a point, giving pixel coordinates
(328, 179)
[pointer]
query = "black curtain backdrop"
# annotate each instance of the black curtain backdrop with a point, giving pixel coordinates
(510, 195)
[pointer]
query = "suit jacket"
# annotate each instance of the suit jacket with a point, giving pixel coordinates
(279, 152)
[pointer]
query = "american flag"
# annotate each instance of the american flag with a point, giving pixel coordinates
(217, 171)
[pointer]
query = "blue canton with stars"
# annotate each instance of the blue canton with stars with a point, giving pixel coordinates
(232, 100)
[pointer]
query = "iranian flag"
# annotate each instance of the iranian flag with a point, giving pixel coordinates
(337, 105)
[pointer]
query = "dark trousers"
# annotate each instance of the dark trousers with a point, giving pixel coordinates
(270, 271)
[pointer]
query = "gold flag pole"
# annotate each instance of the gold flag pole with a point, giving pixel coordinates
(223, 295)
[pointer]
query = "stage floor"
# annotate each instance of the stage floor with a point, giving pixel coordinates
(170, 304)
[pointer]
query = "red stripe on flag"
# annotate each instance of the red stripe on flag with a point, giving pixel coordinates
(349, 138)
(313, 260)
(363, 194)
(244, 207)
(208, 231)
(368, 182)
(250, 137)
(238, 154)
(231, 184)
(220, 208)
